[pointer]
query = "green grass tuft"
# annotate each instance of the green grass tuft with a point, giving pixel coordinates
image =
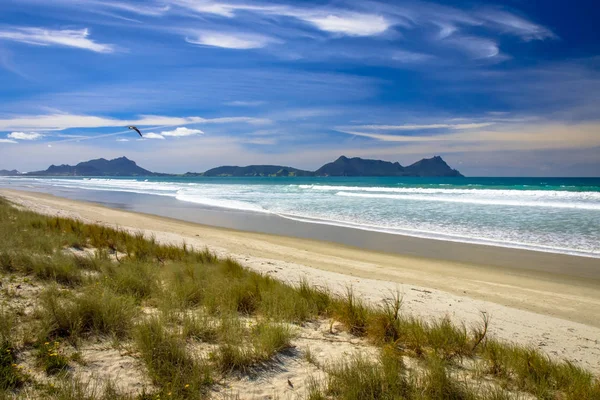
(97, 310)
(11, 376)
(170, 366)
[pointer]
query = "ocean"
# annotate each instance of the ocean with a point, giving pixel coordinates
(560, 215)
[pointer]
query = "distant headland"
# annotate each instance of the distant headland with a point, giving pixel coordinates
(343, 166)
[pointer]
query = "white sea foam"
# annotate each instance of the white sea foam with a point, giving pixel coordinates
(221, 203)
(559, 221)
(592, 196)
(541, 202)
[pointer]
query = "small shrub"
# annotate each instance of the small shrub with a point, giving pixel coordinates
(51, 359)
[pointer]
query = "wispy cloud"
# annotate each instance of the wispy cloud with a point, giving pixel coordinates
(182, 131)
(25, 136)
(122, 140)
(67, 121)
(475, 47)
(511, 23)
(222, 9)
(404, 56)
(48, 37)
(8, 141)
(95, 6)
(239, 103)
(508, 137)
(415, 127)
(147, 10)
(239, 41)
(331, 20)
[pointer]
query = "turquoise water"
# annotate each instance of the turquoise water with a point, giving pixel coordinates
(547, 214)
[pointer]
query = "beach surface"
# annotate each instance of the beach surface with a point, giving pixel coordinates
(529, 300)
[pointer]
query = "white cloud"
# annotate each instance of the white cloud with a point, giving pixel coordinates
(48, 37)
(511, 23)
(7, 141)
(67, 121)
(182, 131)
(152, 135)
(24, 136)
(122, 140)
(351, 24)
(239, 41)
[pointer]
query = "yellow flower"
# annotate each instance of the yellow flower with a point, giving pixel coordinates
(47, 343)
(187, 386)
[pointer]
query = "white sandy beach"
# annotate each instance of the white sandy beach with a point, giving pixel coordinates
(558, 314)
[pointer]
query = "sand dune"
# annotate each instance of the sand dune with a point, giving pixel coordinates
(556, 313)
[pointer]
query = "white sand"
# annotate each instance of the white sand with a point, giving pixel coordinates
(559, 315)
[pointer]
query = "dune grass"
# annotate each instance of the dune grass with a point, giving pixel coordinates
(197, 299)
(171, 367)
(11, 376)
(96, 310)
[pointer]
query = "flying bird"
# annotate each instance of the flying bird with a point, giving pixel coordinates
(136, 129)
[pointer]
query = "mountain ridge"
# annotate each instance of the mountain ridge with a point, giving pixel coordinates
(5, 172)
(343, 166)
(121, 166)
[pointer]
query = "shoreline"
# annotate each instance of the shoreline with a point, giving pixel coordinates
(518, 260)
(559, 314)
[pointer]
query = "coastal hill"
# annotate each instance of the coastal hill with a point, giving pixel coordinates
(343, 166)
(100, 167)
(4, 172)
(257, 170)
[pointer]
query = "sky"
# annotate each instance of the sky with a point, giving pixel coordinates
(509, 88)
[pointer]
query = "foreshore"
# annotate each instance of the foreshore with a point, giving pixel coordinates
(544, 300)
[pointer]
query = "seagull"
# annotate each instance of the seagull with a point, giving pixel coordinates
(135, 129)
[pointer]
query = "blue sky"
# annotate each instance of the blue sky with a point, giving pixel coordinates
(506, 88)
